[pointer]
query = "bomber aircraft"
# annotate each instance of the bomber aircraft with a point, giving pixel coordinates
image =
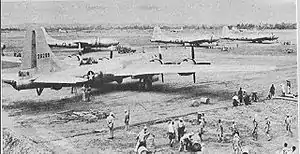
(235, 35)
(82, 44)
(41, 69)
(159, 37)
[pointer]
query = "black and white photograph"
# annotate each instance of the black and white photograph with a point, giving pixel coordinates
(149, 76)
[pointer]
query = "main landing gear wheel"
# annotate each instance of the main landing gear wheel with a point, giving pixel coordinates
(39, 91)
(145, 83)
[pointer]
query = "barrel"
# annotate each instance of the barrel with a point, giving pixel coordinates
(204, 100)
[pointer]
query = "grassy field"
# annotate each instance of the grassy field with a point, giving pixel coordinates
(38, 118)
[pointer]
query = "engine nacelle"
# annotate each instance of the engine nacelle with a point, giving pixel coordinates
(23, 84)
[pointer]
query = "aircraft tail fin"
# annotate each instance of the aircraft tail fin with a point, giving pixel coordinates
(225, 31)
(157, 33)
(37, 54)
(47, 36)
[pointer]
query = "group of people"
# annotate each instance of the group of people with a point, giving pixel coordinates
(86, 93)
(284, 90)
(286, 150)
(241, 97)
(176, 130)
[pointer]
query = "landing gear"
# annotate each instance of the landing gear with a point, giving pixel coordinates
(39, 91)
(119, 81)
(145, 83)
(73, 90)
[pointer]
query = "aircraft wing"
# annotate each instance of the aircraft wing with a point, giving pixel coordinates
(58, 79)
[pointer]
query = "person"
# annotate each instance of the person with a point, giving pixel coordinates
(220, 129)
(201, 130)
(234, 128)
(83, 89)
(185, 142)
(267, 128)
(126, 119)
(240, 95)
(236, 144)
(288, 121)
(181, 128)
(171, 132)
(235, 99)
(283, 89)
(293, 150)
(272, 91)
(88, 91)
(110, 124)
(247, 99)
(288, 84)
(255, 128)
(141, 138)
(285, 149)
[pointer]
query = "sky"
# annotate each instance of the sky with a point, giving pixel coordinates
(147, 12)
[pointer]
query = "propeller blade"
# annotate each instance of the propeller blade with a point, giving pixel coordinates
(162, 78)
(193, 52)
(111, 55)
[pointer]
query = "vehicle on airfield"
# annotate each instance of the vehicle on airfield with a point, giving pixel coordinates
(82, 44)
(159, 37)
(235, 35)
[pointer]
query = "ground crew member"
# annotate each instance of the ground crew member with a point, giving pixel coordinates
(272, 91)
(293, 150)
(240, 95)
(283, 90)
(171, 132)
(288, 84)
(235, 99)
(288, 121)
(141, 139)
(267, 128)
(220, 129)
(110, 124)
(88, 91)
(255, 128)
(186, 142)
(285, 149)
(126, 120)
(236, 144)
(234, 128)
(201, 129)
(181, 128)
(83, 89)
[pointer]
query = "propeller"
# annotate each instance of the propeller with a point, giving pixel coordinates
(162, 77)
(111, 54)
(159, 53)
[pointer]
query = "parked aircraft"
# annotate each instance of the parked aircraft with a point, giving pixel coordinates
(159, 37)
(8, 61)
(83, 44)
(41, 69)
(235, 35)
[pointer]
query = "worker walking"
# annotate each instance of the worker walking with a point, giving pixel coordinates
(110, 124)
(285, 149)
(126, 119)
(201, 130)
(288, 121)
(255, 129)
(220, 131)
(236, 145)
(181, 128)
(272, 91)
(234, 128)
(89, 91)
(268, 128)
(171, 132)
(142, 138)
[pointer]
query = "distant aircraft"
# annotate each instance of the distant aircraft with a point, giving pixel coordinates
(235, 35)
(177, 30)
(62, 31)
(159, 37)
(9, 61)
(41, 69)
(82, 44)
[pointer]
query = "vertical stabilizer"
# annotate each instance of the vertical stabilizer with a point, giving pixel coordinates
(37, 54)
(157, 33)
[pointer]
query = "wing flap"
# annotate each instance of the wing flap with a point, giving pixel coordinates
(60, 79)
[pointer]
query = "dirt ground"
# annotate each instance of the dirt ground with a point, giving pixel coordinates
(45, 120)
